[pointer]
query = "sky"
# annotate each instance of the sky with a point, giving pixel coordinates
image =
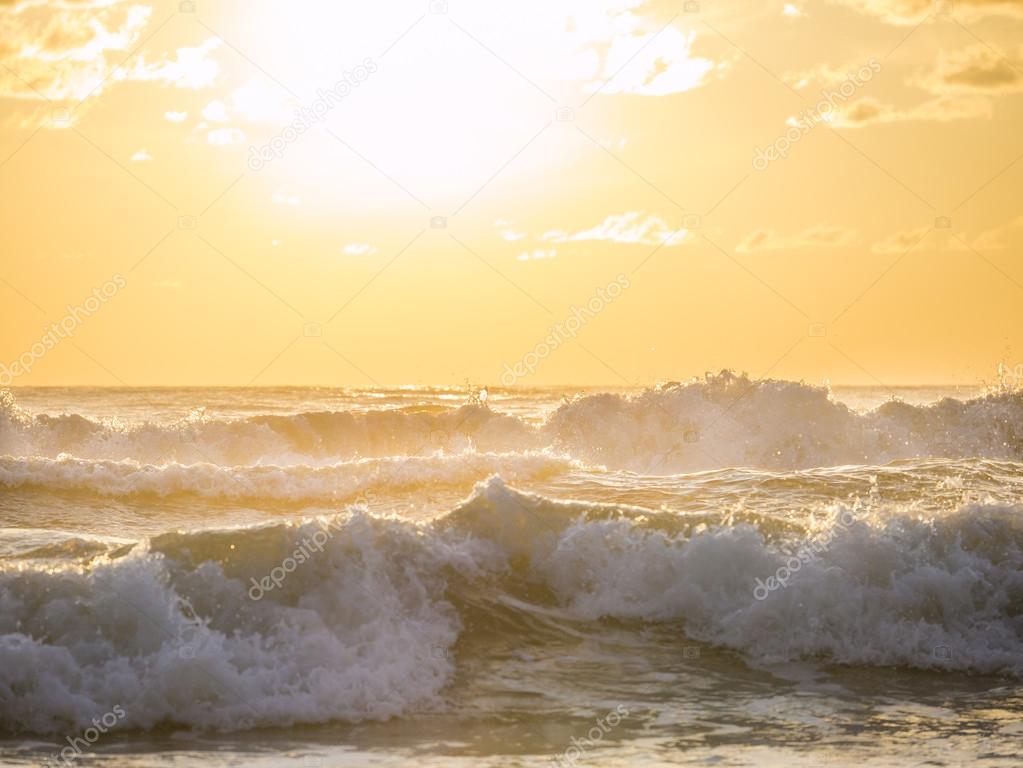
(579, 192)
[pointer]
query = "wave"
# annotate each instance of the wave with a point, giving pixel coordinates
(727, 420)
(719, 421)
(294, 484)
(357, 616)
(302, 438)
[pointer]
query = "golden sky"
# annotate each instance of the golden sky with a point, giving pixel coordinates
(416, 192)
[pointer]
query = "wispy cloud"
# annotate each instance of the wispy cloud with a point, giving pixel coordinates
(971, 70)
(905, 12)
(664, 65)
(71, 52)
(222, 137)
(868, 111)
(632, 228)
(821, 236)
(537, 254)
(899, 242)
(189, 68)
(358, 249)
(215, 112)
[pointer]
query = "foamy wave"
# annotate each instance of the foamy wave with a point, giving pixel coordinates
(727, 420)
(170, 633)
(723, 420)
(304, 438)
(887, 589)
(297, 484)
(366, 627)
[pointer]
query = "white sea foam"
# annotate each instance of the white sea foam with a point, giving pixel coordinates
(360, 631)
(295, 483)
(720, 421)
(366, 629)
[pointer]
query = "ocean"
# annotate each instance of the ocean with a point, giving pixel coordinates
(715, 572)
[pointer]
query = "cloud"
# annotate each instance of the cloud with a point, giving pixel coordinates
(257, 101)
(792, 11)
(942, 239)
(506, 232)
(222, 137)
(664, 64)
(141, 156)
(868, 111)
(176, 117)
(74, 51)
(827, 75)
(971, 70)
(358, 249)
(962, 83)
(60, 52)
(632, 228)
(190, 68)
(538, 254)
(215, 112)
(820, 236)
(511, 235)
(282, 198)
(17, 6)
(994, 239)
(903, 12)
(900, 242)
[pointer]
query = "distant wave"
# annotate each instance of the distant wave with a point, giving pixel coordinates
(367, 627)
(303, 438)
(722, 420)
(296, 484)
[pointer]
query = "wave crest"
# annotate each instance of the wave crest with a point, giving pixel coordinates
(720, 421)
(366, 625)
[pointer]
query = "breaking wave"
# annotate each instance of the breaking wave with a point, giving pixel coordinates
(719, 421)
(295, 484)
(193, 628)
